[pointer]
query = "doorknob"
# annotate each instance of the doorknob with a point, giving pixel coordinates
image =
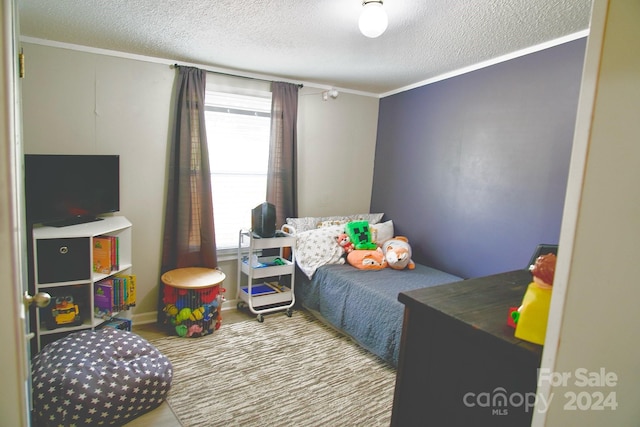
(42, 299)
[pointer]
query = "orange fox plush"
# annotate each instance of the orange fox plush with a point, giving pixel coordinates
(397, 251)
(367, 259)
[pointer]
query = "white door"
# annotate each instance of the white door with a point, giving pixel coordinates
(14, 356)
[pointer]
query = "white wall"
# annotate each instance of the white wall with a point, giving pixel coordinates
(593, 322)
(336, 150)
(80, 102)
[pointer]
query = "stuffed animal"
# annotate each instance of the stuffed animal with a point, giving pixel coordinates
(194, 330)
(397, 251)
(170, 295)
(366, 259)
(197, 314)
(183, 314)
(209, 294)
(345, 243)
(170, 312)
(182, 330)
(183, 299)
(360, 235)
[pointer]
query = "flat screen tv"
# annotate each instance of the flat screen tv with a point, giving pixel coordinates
(263, 220)
(63, 190)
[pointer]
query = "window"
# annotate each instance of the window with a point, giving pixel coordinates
(238, 129)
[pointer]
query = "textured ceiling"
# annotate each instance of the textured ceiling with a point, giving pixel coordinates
(310, 41)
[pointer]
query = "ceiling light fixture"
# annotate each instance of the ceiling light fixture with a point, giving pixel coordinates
(373, 19)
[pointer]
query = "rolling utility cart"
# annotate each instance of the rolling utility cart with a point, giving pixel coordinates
(266, 270)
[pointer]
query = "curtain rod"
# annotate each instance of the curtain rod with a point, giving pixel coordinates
(300, 85)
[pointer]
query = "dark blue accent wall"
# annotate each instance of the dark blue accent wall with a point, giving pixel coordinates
(473, 169)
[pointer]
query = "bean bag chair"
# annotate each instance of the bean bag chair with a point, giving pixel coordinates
(103, 377)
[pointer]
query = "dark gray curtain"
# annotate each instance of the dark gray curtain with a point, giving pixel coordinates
(189, 238)
(282, 172)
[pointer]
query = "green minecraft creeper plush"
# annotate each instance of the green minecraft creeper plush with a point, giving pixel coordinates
(360, 234)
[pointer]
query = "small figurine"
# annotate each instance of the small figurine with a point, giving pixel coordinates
(531, 317)
(65, 313)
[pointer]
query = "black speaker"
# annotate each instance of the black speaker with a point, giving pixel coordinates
(63, 260)
(263, 220)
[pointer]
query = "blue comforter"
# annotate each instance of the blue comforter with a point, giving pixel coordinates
(364, 303)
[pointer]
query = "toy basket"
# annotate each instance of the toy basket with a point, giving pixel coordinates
(192, 312)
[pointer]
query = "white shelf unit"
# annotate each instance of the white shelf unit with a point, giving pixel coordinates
(63, 265)
(250, 249)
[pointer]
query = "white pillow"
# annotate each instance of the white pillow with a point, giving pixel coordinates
(381, 232)
(311, 222)
(304, 223)
(332, 222)
(317, 247)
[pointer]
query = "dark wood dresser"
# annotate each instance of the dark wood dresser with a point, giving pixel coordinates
(460, 364)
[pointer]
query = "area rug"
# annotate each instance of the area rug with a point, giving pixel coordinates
(286, 371)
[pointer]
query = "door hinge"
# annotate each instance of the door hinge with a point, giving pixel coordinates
(21, 62)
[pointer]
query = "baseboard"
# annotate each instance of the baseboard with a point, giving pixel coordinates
(152, 316)
(144, 318)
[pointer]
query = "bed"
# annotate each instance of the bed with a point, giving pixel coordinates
(363, 304)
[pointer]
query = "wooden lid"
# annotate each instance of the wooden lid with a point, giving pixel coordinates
(193, 277)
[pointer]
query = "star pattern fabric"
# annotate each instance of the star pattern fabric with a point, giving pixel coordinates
(103, 377)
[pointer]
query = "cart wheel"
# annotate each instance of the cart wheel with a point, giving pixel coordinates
(240, 306)
(260, 318)
(289, 312)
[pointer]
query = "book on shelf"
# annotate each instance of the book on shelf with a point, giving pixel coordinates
(105, 254)
(115, 263)
(129, 299)
(277, 286)
(265, 288)
(103, 299)
(116, 323)
(114, 294)
(259, 289)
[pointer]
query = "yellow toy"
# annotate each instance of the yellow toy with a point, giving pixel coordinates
(531, 317)
(197, 314)
(65, 313)
(183, 315)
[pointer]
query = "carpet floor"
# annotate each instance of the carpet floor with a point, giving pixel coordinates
(286, 371)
